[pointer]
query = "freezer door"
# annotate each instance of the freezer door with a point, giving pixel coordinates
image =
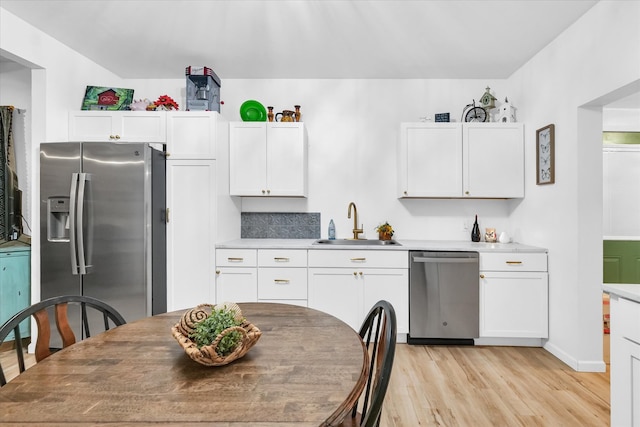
(58, 163)
(118, 241)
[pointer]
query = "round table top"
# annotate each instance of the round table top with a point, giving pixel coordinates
(308, 368)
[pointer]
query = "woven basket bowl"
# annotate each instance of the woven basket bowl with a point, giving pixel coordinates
(207, 355)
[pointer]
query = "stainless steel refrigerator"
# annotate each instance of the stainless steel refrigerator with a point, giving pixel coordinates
(102, 225)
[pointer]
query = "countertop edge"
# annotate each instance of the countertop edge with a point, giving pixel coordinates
(630, 291)
(406, 245)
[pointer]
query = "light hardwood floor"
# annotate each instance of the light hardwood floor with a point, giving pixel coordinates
(483, 386)
(491, 386)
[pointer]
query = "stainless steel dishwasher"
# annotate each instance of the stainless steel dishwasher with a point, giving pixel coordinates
(444, 297)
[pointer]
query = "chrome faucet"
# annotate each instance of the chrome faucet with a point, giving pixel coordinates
(356, 230)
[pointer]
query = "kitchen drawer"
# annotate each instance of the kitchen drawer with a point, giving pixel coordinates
(359, 258)
(513, 261)
(282, 258)
(236, 258)
(282, 283)
(626, 319)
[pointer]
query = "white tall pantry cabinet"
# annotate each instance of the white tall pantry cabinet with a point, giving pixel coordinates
(199, 208)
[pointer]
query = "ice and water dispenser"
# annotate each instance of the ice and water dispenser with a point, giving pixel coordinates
(58, 219)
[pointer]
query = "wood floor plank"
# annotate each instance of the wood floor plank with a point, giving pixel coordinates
(481, 386)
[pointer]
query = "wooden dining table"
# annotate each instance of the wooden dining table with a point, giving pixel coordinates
(307, 369)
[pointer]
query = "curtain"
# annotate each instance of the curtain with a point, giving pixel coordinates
(7, 168)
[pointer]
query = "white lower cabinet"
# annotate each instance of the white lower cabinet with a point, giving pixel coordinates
(346, 283)
(625, 362)
(282, 276)
(236, 275)
(514, 295)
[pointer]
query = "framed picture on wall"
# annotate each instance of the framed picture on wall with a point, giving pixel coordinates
(545, 144)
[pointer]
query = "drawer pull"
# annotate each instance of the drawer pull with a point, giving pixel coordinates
(281, 281)
(482, 276)
(281, 259)
(514, 262)
(359, 259)
(235, 259)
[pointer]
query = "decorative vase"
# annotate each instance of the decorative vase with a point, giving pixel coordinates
(297, 114)
(270, 114)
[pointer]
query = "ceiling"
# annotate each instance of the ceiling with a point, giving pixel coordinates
(452, 39)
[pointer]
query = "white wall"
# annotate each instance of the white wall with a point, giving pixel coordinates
(567, 84)
(353, 127)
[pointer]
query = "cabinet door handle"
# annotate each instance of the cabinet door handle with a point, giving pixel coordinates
(217, 271)
(281, 281)
(235, 259)
(482, 276)
(358, 259)
(514, 262)
(281, 259)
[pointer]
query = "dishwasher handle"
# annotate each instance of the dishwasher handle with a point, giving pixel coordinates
(445, 260)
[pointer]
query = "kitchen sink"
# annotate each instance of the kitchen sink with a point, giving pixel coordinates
(359, 242)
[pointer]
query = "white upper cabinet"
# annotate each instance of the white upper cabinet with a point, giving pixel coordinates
(461, 160)
(268, 159)
(493, 160)
(430, 160)
(192, 134)
(115, 126)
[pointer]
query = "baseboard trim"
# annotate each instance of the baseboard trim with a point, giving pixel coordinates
(573, 363)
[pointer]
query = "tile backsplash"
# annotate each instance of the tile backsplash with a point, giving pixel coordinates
(280, 225)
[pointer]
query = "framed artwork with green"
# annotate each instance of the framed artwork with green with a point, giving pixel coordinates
(107, 98)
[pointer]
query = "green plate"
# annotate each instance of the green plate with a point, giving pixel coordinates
(253, 111)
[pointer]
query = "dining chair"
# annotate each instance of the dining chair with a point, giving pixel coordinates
(378, 331)
(40, 313)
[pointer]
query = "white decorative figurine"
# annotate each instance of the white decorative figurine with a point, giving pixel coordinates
(507, 113)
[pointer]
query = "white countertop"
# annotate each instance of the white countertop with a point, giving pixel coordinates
(407, 245)
(630, 291)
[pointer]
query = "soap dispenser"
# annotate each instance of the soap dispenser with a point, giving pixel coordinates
(332, 230)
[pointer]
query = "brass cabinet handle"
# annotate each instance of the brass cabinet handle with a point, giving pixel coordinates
(166, 217)
(360, 273)
(281, 259)
(482, 276)
(217, 271)
(514, 262)
(355, 273)
(281, 281)
(406, 193)
(359, 259)
(235, 259)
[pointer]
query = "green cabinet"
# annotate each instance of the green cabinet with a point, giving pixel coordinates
(15, 284)
(621, 263)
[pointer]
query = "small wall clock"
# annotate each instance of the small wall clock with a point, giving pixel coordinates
(545, 144)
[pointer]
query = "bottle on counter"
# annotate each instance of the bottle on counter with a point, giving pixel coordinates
(332, 230)
(475, 231)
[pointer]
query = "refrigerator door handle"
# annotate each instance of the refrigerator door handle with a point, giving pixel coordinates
(72, 223)
(82, 265)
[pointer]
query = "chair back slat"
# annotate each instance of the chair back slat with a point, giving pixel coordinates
(62, 323)
(44, 334)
